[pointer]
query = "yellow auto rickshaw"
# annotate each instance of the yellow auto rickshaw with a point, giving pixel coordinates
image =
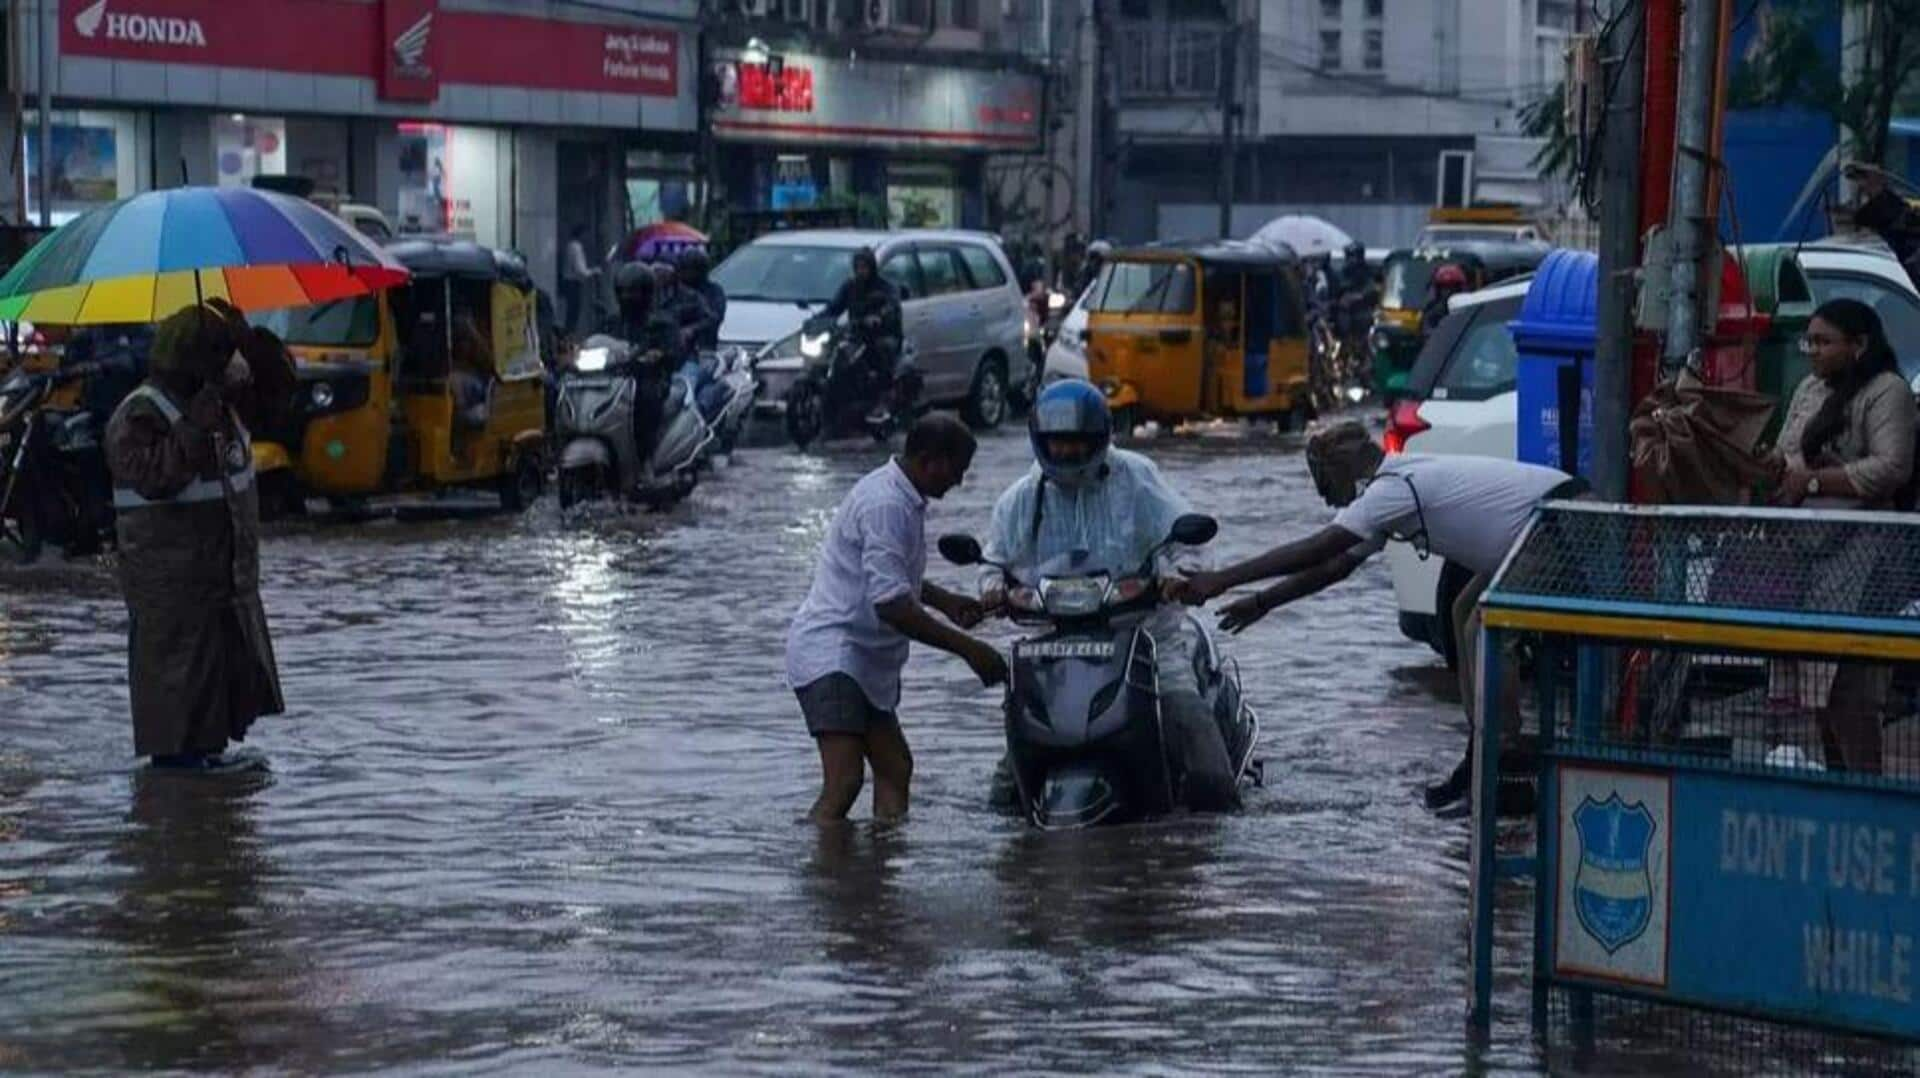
(1189, 331)
(435, 384)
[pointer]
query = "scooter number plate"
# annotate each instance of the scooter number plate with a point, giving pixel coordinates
(1067, 649)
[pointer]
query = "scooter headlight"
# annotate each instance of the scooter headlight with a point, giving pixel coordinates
(591, 360)
(814, 345)
(1073, 596)
(321, 395)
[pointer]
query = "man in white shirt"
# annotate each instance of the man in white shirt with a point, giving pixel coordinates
(850, 638)
(1468, 510)
(576, 276)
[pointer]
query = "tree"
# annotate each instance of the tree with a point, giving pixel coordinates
(1788, 65)
(1546, 118)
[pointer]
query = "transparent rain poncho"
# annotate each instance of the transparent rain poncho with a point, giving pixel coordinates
(1108, 525)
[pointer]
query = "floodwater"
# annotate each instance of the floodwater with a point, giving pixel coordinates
(535, 809)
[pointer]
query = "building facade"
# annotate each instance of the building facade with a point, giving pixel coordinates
(1342, 111)
(507, 122)
(892, 108)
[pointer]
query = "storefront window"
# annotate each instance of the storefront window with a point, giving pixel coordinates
(922, 197)
(660, 187)
(94, 160)
(450, 181)
(248, 146)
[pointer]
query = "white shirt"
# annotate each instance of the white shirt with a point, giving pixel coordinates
(1117, 520)
(875, 552)
(577, 268)
(1473, 509)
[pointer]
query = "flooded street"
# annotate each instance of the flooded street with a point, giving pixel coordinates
(536, 806)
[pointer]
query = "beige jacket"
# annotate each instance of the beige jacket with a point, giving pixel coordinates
(1876, 449)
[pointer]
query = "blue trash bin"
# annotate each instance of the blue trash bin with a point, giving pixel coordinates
(1554, 340)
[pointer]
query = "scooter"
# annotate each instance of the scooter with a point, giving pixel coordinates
(594, 427)
(840, 388)
(54, 485)
(1085, 734)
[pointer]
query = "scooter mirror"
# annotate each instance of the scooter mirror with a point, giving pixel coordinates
(1194, 529)
(961, 549)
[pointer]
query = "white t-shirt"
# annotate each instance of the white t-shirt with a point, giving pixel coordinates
(1473, 509)
(875, 551)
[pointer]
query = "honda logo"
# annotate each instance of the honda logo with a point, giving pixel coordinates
(410, 49)
(138, 28)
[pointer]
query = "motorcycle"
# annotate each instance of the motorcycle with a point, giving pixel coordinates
(1085, 735)
(54, 485)
(594, 427)
(840, 388)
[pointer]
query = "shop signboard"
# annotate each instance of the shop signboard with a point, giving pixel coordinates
(801, 98)
(410, 71)
(419, 45)
(1788, 897)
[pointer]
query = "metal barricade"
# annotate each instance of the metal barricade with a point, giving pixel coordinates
(1727, 830)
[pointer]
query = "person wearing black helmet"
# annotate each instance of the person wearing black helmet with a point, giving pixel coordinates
(1355, 297)
(1108, 509)
(872, 307)
(642, 323)
(692, 269)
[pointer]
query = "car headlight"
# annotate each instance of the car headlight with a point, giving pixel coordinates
(321, 395)
(813, 346)
(591, 360)
(1073, 596)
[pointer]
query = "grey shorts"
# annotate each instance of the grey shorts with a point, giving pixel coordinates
(836, 704)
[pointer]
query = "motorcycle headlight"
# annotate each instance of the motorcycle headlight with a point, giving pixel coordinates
(813, 346)
(591, 360)
(1056, 301)
(1074, 596)
(321, 395)
(1377, 340)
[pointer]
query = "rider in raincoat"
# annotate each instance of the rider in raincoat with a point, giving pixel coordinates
(200, 664)
(1084, 508)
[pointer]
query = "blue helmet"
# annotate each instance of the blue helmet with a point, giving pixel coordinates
(1071, 407)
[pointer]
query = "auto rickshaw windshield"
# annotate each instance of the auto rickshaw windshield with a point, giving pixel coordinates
(1144, 288)
(1406, 283)
(343, 323)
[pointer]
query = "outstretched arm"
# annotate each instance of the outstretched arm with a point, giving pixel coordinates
(1245, 612)
(1321, 549)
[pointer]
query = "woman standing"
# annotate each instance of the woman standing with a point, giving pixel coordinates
(1847, 444)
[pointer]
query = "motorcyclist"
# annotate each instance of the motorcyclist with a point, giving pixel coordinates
(1449, 280)
(1355, 292)
(693, 268)
(1108, 509)
(642, 323)
(872, 306)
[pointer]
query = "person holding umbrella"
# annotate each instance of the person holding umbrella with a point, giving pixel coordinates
(200, 659)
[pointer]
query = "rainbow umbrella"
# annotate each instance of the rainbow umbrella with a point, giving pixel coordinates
(661, 241)
(143, 258)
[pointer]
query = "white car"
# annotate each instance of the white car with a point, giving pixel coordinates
(1462, 397)
(1067, 356)
(962, 310)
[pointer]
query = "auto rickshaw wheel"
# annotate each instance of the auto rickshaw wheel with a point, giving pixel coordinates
(986, 404)
(1126, 420)
(280, 496)
(521, 486)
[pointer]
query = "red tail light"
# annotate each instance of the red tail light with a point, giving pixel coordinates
(1403, 422)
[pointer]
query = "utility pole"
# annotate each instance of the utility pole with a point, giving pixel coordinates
(1229, 124)
(1623, 66)
(44, 68)
(1691, 215)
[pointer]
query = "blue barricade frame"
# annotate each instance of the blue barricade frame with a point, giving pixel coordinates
(1691, 848)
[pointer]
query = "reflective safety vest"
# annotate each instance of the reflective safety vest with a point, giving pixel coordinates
(239, 463)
